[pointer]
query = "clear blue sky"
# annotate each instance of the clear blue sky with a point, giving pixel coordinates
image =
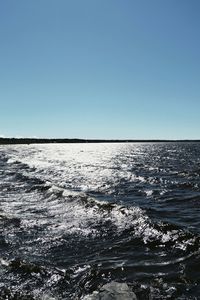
(100, 68)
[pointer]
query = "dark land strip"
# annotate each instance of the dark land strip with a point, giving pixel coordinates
(7, 141)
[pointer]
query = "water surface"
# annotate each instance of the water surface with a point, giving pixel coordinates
(74, 217)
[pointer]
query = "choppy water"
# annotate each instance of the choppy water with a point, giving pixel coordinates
(74, 217)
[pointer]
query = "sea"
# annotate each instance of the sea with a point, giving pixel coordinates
(78, 218)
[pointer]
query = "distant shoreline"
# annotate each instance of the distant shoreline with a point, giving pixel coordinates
(15, 141)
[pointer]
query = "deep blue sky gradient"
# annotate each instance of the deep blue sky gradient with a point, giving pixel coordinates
(100, 68)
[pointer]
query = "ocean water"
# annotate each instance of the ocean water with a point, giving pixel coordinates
(74, 217)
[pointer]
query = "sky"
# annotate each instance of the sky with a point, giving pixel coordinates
(100, 69)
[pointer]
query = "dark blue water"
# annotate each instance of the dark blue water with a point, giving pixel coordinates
(74, 217)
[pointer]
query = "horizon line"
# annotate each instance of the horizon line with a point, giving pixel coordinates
(31, 140)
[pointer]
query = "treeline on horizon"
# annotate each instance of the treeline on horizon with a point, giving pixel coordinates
(5, 141)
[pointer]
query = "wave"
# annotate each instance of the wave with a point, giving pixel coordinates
(77, 213)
